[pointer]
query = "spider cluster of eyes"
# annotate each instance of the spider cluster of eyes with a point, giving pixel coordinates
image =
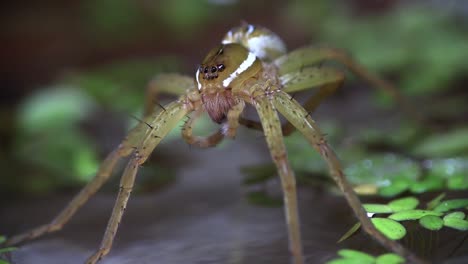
(211, 73)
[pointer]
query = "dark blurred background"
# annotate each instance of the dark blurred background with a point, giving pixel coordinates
(73, 73)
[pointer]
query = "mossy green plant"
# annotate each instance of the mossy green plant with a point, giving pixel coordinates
(434, 217)
(404, 209)
(350, 256)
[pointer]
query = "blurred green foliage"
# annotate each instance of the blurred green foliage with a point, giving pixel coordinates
(424, 47)
(49, 137)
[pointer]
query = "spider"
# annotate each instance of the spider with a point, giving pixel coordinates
(250, 66)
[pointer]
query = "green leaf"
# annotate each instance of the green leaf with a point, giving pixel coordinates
(389, 258)
(435, 202)
(403, 204)
(456, 223)
(451, 204)
(2, 239)
(4, 262)
(412, 214)
(355, 254)
(390, 228)
(431, 222)
(378, 208)
(350, 232)
(458, 215)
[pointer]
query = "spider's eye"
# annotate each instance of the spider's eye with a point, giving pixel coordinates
(221, 67)
(206, 70)
(213, 69)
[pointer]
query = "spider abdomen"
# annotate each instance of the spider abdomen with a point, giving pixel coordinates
(261, 41)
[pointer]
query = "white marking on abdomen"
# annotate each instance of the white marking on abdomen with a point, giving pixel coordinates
(250, 29)
(242, 68)
(196, 77)
(261, 44)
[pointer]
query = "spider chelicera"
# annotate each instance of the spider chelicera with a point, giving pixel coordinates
(250, 66)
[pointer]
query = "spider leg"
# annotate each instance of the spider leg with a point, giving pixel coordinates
(228, 129)
(143, 138)
(203, 142)
(297, 59)
(233, 116)
(296, 114)
(327, 79)
(78, 201)
(272, 129)
(167, 83)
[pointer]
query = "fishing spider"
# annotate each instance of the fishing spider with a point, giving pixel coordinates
(250, 66)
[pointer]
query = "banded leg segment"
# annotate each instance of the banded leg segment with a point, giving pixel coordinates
(167, 83)
(297, 59)
(144, 138)
(202, 142)
(327, 79)
(228, 129)
(293, 111)
(272, 129)
(233, 116)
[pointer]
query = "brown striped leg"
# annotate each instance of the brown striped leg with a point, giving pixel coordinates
(297, 59)
(272, 129)
(327, 79)
(296, 114)
(143, 138)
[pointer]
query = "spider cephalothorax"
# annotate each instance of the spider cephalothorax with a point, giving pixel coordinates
(250, 66)
(223, 73)
(228, 68)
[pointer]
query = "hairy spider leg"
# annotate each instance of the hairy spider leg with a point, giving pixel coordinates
(178, 84)
(299, 117)
(274, 137)
(297, 75)
(327, 79)
(230, 128)
(297, 59)
(166, 83)
(202, 142)
(143, 139)
(140, 143)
